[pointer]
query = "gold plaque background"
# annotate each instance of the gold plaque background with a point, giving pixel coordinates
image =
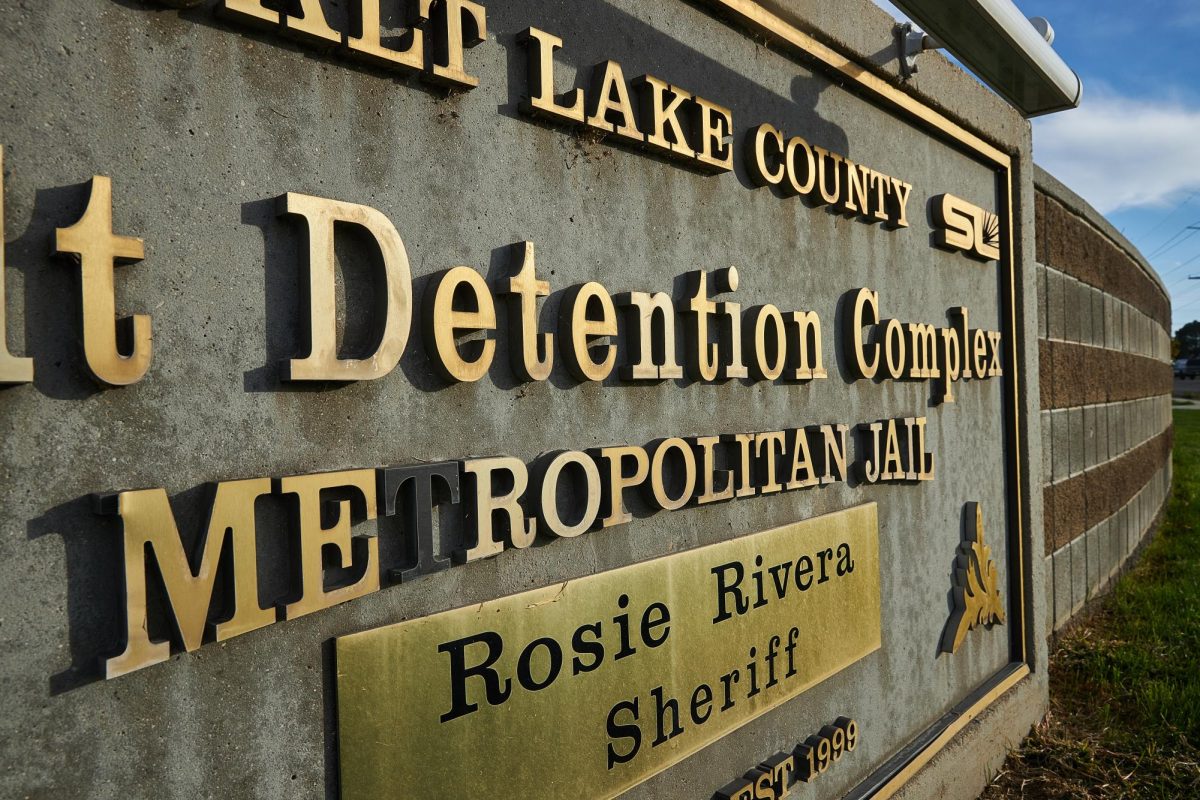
(393, 685)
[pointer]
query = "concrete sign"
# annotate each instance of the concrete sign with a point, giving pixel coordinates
(513, 399)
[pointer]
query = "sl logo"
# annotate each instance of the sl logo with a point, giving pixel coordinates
(965, 227)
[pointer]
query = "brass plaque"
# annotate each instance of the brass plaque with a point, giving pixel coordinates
(586, 688)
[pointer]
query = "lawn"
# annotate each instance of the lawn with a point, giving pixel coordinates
(1124, 717)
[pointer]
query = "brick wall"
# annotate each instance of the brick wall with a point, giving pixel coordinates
(1105, 374)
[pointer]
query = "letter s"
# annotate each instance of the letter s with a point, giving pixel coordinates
(629, 731)
(954, 226)
(764, 787)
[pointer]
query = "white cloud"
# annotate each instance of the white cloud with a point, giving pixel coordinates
(1121, 152)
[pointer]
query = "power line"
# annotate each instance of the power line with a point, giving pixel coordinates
(1187, 233)
(1178, 284)
(1179, 233)
(1189, 293)
(1175, 211)
(1178, 267)
(1191, 297)
(1188, 289)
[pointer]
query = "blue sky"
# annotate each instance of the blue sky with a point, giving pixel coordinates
(1132, 149)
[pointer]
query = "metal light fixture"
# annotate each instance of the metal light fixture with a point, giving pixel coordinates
(993, 39)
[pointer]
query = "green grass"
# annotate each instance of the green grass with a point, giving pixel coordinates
(1124, 717)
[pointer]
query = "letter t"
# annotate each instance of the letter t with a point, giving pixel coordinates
(525, 289)
(422, 549)
(99, 250)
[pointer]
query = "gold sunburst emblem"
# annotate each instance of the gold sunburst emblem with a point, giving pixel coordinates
(976, 590)
(991, 230)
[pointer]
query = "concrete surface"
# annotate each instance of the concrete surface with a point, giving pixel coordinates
(201, 124)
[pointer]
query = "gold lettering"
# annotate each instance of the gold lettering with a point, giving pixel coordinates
(322, 362)
(99, 250)
(12, 368)
(727, 280)
(766, 444)
(808, 343)
(368, 45)
(521, 531)
(150, 532)
(716, 136)
(644, 343)
(703, 357)
(893, 468)
(528, 361)
(464, 25)
(443, 320)
(923, 363)
(987, 236)
(658, 481)
(581, 328)
(954, 228)
(316, 540)
(618, 482)
(950, 362)
(829, 163)
(871, 463)
(902, 191)
(810, 167)
(857, 178)
(953, 353)
(311, 25)
(548, 512)
(663, 114)
(708, 468)
(801, 462)
(964, 335)
(925, 464)
(979, 364)
(994, 370)
(834, 450)
(894, 355)
(745, 470)
(911, 459)
(768, 352)
(756, 156)
(250, 12)
(883, 186)
(612, 96)
(864, 358)
(541, 75)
